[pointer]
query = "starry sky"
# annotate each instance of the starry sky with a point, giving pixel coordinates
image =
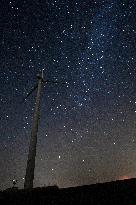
(87, 128)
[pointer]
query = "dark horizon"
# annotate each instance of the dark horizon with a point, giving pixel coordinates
(119, 192)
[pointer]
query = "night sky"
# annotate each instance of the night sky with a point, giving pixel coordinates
(87, 128)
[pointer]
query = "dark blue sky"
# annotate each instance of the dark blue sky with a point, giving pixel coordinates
(87, 127)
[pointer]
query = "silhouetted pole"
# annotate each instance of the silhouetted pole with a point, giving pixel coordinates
(29, 177)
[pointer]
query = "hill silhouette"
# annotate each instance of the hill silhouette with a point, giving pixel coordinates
(115, 192)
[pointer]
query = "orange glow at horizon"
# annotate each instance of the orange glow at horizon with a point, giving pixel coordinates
(124, 177)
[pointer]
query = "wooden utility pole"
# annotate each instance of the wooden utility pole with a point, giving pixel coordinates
(29, 177)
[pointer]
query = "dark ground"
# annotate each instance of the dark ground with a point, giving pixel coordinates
(118, 192)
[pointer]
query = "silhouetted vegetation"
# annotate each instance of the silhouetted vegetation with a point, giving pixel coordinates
(119, 192)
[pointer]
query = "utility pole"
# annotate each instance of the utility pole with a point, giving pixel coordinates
(29, 177)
